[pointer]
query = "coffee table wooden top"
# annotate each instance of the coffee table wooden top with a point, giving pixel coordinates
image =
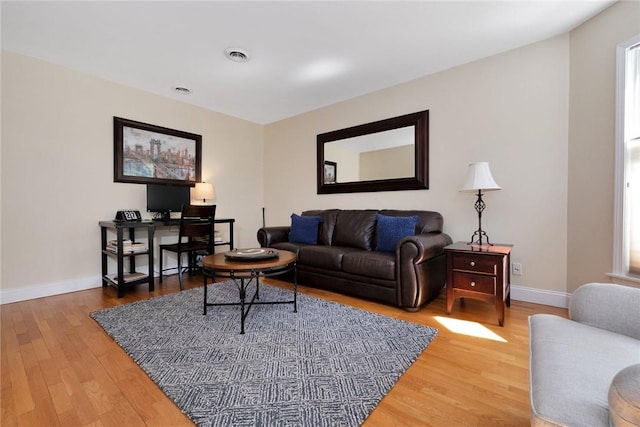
(219, 262)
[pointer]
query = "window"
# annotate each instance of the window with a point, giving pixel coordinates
(627, 216)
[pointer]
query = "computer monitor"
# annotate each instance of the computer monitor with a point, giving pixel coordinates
(164, 199)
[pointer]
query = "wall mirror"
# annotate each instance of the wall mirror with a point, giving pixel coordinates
(387, 155)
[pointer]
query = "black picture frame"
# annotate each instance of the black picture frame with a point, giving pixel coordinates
(330, 172)
(150, 154)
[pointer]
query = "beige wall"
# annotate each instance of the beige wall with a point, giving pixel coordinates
(57, 169)
(591, 141)
(510, 110)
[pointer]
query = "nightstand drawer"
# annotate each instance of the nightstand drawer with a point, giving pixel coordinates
(474, 282)
(473, 262)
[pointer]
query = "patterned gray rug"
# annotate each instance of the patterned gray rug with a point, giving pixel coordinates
(327, 365)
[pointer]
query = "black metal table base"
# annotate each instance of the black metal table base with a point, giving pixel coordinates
(243, 281)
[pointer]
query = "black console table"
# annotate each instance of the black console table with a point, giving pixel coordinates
(122, 280)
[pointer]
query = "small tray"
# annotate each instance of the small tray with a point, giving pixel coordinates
(251, 254)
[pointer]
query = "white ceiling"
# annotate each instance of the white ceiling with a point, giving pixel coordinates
(303, 54)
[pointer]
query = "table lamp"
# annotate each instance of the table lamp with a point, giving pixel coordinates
(204, 191)
(479, 179)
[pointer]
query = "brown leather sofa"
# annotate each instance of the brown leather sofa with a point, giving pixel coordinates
(345, 260)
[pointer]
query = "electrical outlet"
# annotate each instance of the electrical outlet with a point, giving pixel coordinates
(516, 269)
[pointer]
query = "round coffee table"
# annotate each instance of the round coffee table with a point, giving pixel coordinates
(244, 271)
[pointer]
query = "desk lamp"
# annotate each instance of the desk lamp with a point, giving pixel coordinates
(479, 179)
(204, 191)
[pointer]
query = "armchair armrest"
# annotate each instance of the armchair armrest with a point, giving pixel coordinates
(267, 236)
(615, 308)
(420, 268)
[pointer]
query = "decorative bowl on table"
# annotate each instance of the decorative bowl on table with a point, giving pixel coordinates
(251, 254)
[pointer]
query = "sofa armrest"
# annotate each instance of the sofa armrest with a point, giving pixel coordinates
(420, 268)
(615, 308)
(268, 236)
(421, 247)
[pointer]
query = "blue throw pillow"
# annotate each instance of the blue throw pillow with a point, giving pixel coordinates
(304, 229)
(390, 229)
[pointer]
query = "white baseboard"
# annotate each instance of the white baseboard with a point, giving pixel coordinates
(540, 296)
(519, 293)
(49, 289)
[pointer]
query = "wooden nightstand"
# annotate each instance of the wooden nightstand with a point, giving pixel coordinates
(479, 272)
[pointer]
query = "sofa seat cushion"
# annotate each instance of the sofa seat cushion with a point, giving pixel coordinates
(328, 257)
(370, 264)
(572, 367)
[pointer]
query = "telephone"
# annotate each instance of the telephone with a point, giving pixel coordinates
(128, 215)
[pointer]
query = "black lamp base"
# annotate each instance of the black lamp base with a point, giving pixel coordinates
(480, 233)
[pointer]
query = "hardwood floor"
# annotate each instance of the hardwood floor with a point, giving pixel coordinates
(59, 368)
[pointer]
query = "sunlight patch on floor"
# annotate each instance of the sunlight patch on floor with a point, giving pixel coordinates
(466, 327)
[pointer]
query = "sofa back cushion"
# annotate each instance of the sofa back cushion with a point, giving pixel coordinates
(607, 306)
(328, 224)
(428, 221)
(355, 228)
(361, 234)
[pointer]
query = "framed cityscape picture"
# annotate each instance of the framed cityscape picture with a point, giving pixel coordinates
(149, 154)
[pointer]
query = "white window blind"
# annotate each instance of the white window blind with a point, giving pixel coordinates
(633, 212)
(626, 262)
(632, 143)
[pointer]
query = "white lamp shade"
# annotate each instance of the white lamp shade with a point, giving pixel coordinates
(204, 191)
(479, 178)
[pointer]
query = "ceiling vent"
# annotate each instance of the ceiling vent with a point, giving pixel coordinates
(236, 55)
(182, 89)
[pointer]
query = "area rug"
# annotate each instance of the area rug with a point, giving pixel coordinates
(326, 365)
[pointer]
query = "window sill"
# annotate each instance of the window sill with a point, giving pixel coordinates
(625, 280)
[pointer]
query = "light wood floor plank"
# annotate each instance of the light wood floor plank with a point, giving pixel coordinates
(58, 367)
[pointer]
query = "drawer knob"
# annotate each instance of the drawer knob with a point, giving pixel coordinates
(473, 264)
(473, 284)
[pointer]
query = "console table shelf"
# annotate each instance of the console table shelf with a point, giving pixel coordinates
(119, 280)
(123, 279)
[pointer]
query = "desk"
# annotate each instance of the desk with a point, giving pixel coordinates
(132, 278)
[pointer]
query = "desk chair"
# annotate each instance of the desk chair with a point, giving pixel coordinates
(196, 224)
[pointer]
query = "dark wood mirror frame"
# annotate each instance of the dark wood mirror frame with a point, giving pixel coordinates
(421, 157)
